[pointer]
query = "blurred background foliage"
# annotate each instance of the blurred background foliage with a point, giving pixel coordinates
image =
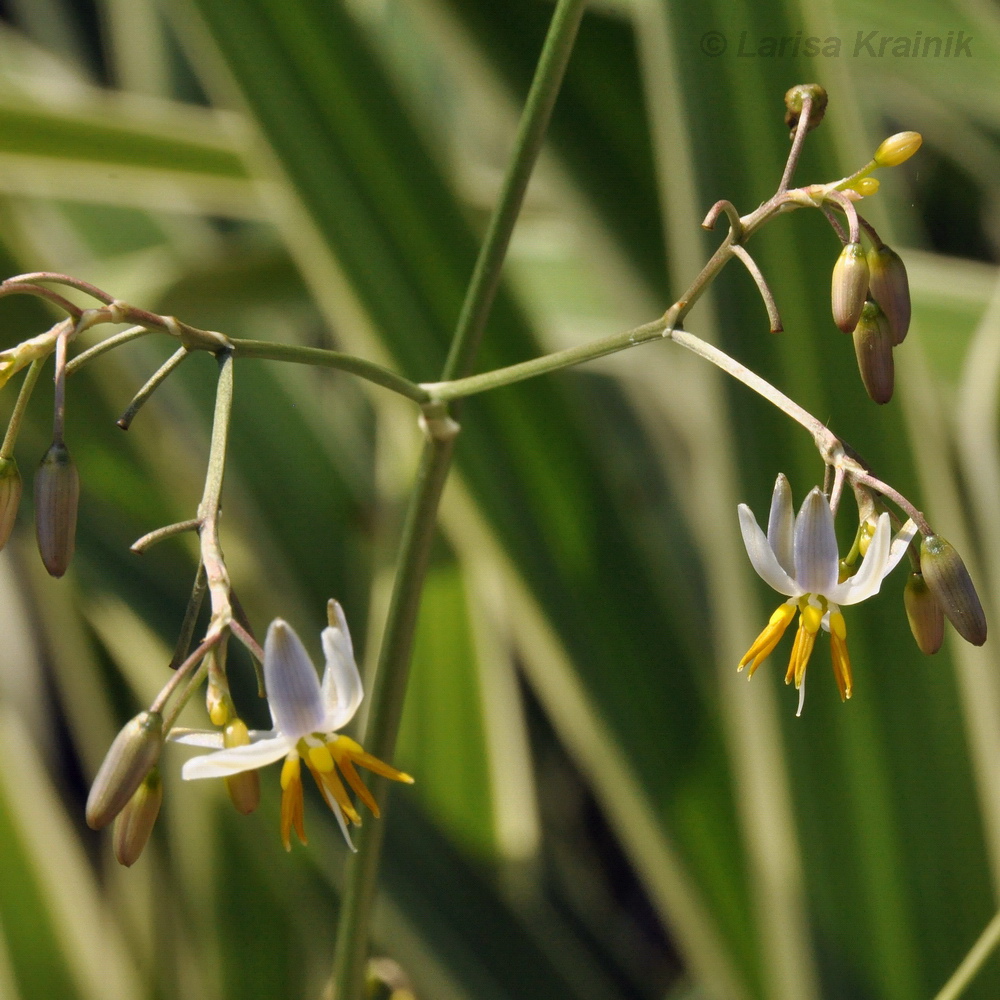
(604, 810)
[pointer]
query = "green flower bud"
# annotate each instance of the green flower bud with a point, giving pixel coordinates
(243, 788)
(873, 347)
(897, 149)
(135, 822)
(10, 497)
(890, 288)
(793, 101)
(57, 492)
(950, 583)
(849, 287)
(924, 614)
(131, 756)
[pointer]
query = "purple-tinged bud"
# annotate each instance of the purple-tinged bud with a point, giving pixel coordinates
(873, 347)
(135, 822)
(243, 788)
(10, 497)
(57, 493)
(924, 614)
(897, 149)
(849, 287)
(890, 288)
(131, 756)
(950, 583)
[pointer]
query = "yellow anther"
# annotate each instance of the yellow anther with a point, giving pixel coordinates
(838, 626)
(219, 714)
(811, 619)
(764, 644)
(320, 759)
(291, 772)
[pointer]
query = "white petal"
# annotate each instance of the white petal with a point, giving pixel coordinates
(781, 524)
(293, 690)
(211, 738)
(341, 822)
(899, 546)
(342, 689)
(868, 579)
(816, 556)
(225, 763)
(762, 556)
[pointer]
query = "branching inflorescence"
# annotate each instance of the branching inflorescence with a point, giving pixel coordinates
(797, 554)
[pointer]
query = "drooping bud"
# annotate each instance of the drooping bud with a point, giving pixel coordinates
(873, 347)
(135, 822)
(57, 493)
(129, 759)
(950, 583)
(924, 614)
(243, 788)
(10, 497)
(890, 288)
(793, 101)
(849, 287)
(897, 149)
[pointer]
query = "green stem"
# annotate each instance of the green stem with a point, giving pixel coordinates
(330, 359)
(531, 133)
(152, 384)
(462, 387)
(16, 418)
(132, 333)
(208, 510)
(972, 962)
(389, 686)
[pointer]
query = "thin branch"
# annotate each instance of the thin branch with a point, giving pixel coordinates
(147, 541)
(153, 383)
(20, 407)
(18, 288)
(801, 127)
(64, 279)
(766, 294)
(330, 359)
(132, 333)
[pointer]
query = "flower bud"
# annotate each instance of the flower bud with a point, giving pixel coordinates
(849, 287)
(897, 149)
(924, 614)
(890, 288)
(57, 492)
(129, 759)
(950, 583)
(866, 186)
(793, 101)
(243, 788)
(873, 347)
(10, 497)
(135, 822)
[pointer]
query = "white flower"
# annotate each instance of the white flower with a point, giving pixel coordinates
(306, 714)
(799, 558)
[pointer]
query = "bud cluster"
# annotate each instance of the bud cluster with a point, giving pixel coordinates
(870, 299)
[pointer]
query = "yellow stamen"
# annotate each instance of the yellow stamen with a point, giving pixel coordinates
(838, 654)
(291, 801)
(319, 758)
(332, 787)
(805, 639)
(764, 644)
(354, 780)
(344, 744)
